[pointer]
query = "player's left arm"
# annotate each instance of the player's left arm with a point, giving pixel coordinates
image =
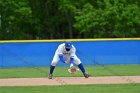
(72, 56)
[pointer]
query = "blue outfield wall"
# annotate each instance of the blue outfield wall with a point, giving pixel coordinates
(106, 52)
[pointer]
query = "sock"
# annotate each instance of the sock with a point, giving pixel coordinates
(82, 68)
(51, 69)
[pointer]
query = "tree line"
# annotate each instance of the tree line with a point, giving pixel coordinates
(62, 19)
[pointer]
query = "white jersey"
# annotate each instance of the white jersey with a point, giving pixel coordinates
(61, 50)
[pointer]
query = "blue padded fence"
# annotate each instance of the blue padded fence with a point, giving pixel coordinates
(16, 54)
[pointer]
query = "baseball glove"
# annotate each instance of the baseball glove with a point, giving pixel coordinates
(73, 70)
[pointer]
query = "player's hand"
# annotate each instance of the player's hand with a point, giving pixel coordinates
(73, 70)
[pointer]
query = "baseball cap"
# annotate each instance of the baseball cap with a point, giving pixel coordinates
(68, 45)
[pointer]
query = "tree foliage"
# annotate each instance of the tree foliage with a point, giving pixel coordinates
(50, 19)
(112, 18)
(15, 19)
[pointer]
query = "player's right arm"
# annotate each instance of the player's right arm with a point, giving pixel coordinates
(59, 53)
(61, 58)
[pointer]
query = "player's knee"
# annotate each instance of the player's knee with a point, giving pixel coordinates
(77, 62)
(53, 63)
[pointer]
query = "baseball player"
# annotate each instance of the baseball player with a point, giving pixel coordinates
(66, 53)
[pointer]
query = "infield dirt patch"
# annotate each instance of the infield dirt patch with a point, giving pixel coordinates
(69, 80)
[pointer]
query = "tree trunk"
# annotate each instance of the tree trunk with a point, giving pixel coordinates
(69, 18)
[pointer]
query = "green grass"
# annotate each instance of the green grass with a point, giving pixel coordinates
(110, 70)
(112, 88)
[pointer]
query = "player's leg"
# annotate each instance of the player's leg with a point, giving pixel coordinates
(53, 64)
(78, 62)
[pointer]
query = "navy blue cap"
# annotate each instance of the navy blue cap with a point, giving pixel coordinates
(68, 45)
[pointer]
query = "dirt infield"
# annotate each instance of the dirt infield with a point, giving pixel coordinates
(69, 80)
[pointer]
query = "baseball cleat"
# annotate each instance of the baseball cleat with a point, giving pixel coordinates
(50, 76)
(86, 75)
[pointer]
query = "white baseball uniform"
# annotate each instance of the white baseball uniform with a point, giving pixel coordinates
(66, 54)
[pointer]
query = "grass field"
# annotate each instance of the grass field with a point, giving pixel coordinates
(110, 70)
(112, 88)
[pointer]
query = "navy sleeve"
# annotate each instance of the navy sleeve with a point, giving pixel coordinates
(61, 58)
(71, 60)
